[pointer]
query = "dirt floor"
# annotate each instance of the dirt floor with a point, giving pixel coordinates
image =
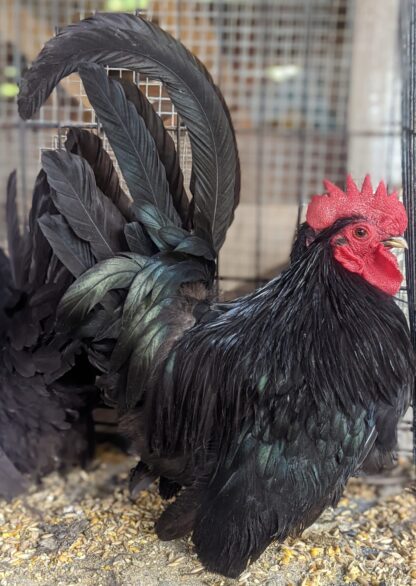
(86, 530)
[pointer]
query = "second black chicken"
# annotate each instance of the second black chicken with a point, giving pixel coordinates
(47, 390)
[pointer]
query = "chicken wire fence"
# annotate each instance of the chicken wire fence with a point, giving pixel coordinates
(313, 87)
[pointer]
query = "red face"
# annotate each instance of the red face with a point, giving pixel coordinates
(364, 248)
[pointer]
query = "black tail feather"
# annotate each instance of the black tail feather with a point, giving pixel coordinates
(165, 147)
(130, 140)
(73, 252)
(122, 40)
(17, 243)
(92, 216)
(90, 147)
(40, 251)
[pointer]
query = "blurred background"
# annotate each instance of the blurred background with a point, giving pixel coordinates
(313, 87)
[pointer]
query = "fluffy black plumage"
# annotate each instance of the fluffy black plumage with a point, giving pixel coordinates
(257, 410)
(273, 403)
(45, 410)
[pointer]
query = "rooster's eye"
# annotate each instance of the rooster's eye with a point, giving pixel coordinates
(360, 232)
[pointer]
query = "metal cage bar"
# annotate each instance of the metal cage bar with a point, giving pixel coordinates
(408, 36)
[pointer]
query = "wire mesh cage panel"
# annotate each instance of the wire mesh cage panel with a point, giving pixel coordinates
(314, 92)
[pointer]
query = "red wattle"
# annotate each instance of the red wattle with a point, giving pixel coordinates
(379, 267)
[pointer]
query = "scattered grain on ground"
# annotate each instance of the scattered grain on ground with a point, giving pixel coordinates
(86, 530)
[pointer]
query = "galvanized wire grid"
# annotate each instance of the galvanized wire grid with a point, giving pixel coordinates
(309, 95)
(284, 70)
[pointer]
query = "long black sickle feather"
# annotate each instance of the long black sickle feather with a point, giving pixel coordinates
(164, 144)
(122, 40)
(131, 142)
(90, 147)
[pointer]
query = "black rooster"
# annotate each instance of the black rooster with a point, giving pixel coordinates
(258, 410)
(45, 406)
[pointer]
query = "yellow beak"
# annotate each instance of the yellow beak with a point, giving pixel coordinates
(396, 242)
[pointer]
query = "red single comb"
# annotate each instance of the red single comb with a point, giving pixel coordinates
(381, 208)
